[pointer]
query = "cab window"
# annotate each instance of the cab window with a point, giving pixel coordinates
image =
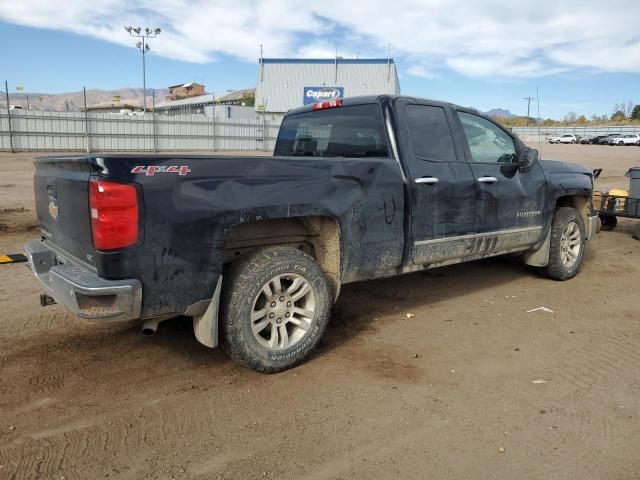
(430, 134)
(488, 142)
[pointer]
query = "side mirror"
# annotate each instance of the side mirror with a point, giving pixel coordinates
(528, 156)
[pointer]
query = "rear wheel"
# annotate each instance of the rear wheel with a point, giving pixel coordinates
(573, 141)
(568, 242)
(276, 307)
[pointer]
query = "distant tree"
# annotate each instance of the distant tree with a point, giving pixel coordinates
(628, 109)
(635, 113)
(570, 117)
(581, 120)
(249, 99)
(618, 116)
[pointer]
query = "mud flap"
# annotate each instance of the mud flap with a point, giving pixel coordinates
(205, 326)
(540, 256)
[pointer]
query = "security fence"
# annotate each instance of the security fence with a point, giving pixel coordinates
(33, 130)
(532, 132)
(24, 130)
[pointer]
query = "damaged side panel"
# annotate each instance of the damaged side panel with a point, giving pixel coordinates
(188, 218)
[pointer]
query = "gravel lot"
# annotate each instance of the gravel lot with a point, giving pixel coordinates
(472, 387)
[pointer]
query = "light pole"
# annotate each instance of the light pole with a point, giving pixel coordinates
(144, 47)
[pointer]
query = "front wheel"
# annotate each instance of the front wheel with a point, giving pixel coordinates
(276, 308)
(568, 242)
(573, 141)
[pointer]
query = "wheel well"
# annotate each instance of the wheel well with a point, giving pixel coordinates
(580, 203)
(317, 236)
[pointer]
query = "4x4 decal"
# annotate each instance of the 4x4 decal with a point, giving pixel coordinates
(151, 170)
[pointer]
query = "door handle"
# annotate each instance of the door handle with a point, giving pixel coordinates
(487, 179)
(427, 180)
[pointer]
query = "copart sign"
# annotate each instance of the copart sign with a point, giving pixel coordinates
(322, 94)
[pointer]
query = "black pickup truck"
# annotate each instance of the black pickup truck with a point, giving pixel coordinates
(255, 249)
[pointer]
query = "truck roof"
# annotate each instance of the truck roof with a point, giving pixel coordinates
(364, 99)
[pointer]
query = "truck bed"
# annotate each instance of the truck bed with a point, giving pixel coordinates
(190, 203)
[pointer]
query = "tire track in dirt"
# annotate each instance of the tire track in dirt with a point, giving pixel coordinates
(593, 372)
(54, 452)
(582, 430)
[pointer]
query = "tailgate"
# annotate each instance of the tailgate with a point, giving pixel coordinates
(61, 187)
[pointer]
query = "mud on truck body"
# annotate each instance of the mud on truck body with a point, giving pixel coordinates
(256, 249)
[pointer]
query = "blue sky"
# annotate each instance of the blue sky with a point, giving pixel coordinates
(584, 55)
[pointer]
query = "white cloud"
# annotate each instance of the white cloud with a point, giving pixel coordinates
(492, 38)
(421, 71)
(497, 66)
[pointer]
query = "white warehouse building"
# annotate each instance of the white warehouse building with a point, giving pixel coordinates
(286, 83)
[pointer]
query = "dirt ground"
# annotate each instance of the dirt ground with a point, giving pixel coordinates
(472, 387)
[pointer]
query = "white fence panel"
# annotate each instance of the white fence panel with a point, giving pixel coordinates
(108, 132)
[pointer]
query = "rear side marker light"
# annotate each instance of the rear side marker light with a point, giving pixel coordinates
(114, 214)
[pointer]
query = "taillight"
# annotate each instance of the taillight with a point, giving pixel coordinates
(114, 214)
(328, 104)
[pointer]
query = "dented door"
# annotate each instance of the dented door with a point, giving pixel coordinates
(510, 198)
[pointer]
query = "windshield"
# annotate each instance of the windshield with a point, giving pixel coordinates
(355, 131)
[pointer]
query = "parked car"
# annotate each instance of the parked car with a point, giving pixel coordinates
(591, 139)
(621, 140)
(256, 249)
(568, 138)
(605, 140)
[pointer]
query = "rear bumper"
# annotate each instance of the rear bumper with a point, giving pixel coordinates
(81, 290)
(593, 226)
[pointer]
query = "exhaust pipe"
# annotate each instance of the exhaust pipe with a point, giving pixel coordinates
(150, 326)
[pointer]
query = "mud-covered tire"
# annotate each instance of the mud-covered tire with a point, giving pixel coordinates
(243, 287)
(563, 221)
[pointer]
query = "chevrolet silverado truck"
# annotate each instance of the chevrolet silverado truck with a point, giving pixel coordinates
(256, 249)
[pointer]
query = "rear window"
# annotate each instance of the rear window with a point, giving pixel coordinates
(355, 131)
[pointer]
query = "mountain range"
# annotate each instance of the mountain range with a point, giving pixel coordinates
(74, 101)
(499, 112)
